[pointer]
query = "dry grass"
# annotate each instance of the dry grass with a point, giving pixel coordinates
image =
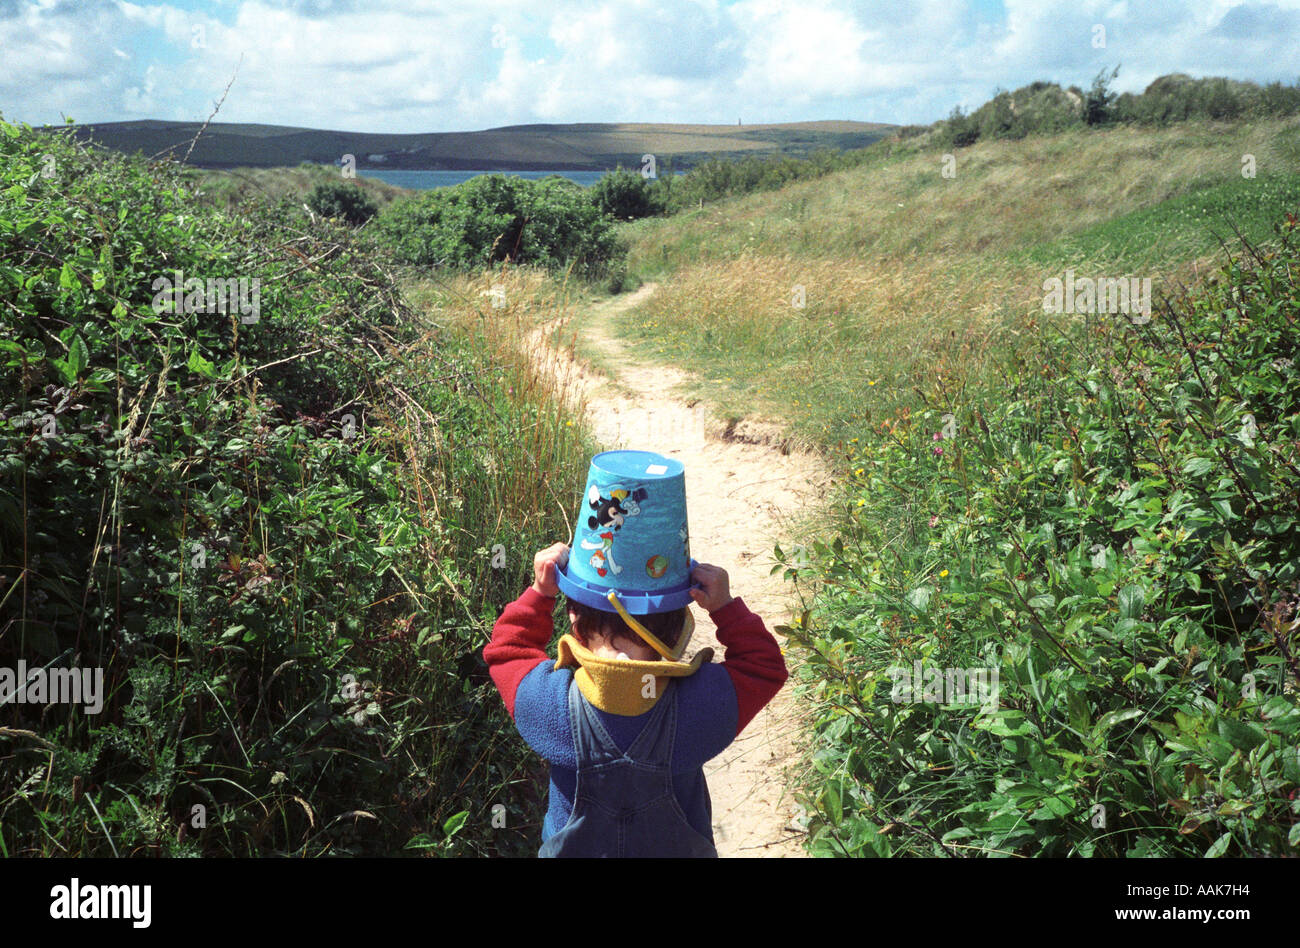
(520, 480)
(911, 279)
(1005, 195)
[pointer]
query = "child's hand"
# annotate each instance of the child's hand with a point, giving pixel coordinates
(714, 591)
(544, 566)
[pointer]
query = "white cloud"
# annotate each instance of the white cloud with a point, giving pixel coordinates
(408, 65)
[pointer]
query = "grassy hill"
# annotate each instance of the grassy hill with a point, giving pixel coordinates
(1095, 512)
(905, 270)
(575, 147)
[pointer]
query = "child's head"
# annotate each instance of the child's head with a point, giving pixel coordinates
(603, 631)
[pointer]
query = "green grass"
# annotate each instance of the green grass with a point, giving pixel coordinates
(1182, 228)
(899, 296)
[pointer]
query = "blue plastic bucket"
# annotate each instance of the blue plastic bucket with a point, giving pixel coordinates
(631, 535)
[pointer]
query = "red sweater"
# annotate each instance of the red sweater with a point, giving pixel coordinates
(753, 658)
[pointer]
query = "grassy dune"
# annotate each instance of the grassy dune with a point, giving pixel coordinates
(908, 274)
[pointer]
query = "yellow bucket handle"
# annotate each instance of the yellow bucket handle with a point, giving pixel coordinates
(651, 639)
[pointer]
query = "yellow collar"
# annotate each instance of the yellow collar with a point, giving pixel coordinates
(622, 686)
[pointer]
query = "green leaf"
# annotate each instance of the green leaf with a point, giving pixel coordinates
(834, 810)
(1111, 718)
(200, 365)
(1219, 847)
(65, 371)
(1131, 600)
(78, 356)
(454, 823)
(1077, 703)
(1244, 737)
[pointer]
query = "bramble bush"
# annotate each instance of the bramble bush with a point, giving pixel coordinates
(274, 536)
(625, 195)
(1116, 532)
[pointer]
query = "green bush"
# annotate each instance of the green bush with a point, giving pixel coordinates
(960, 130)
(232, 515)
(493, 218)
(1098, 104)
(346, 202)
(625, 196)
(1116, 533)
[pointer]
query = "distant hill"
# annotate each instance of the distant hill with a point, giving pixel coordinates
(580, 147)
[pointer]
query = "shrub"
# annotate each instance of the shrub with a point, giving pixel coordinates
(1116, 533)
(347, 202)
(493, 218)
(625, 195)
(1097, 104)
(230, 516)
(960, 130)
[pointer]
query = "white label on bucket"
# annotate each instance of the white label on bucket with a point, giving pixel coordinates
(657, 469)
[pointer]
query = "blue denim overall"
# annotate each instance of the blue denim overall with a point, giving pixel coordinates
(624, 805)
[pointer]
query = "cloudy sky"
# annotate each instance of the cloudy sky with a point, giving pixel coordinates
(446, 65)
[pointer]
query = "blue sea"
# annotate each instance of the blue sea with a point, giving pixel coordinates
(423, 180)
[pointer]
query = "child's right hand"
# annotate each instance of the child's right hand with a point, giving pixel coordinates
(544, 565)
(714, 591)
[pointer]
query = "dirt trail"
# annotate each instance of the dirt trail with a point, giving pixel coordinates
(741, 488)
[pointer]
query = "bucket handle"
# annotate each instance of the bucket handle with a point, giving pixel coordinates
(651, 639)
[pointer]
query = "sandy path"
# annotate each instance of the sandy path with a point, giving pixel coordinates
(741, 490)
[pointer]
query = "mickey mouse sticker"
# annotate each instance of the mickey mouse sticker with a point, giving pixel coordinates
(610, 513)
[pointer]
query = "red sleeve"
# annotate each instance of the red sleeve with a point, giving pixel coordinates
(519, 641)
(753, 660)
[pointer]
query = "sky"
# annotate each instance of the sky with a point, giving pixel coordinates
(411, 66)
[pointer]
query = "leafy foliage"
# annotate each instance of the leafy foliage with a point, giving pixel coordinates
(344, 201)
(1097, 104)
(271, 529)
(1114, 532)
(625, 195)
(494, 218)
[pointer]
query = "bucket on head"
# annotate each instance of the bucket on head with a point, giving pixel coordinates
(631, 536)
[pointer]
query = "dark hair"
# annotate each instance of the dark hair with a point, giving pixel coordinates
(666, 626)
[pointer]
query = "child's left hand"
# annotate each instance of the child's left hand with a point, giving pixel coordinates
(545, 564)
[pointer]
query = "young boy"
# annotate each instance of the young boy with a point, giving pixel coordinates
(626, 733)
